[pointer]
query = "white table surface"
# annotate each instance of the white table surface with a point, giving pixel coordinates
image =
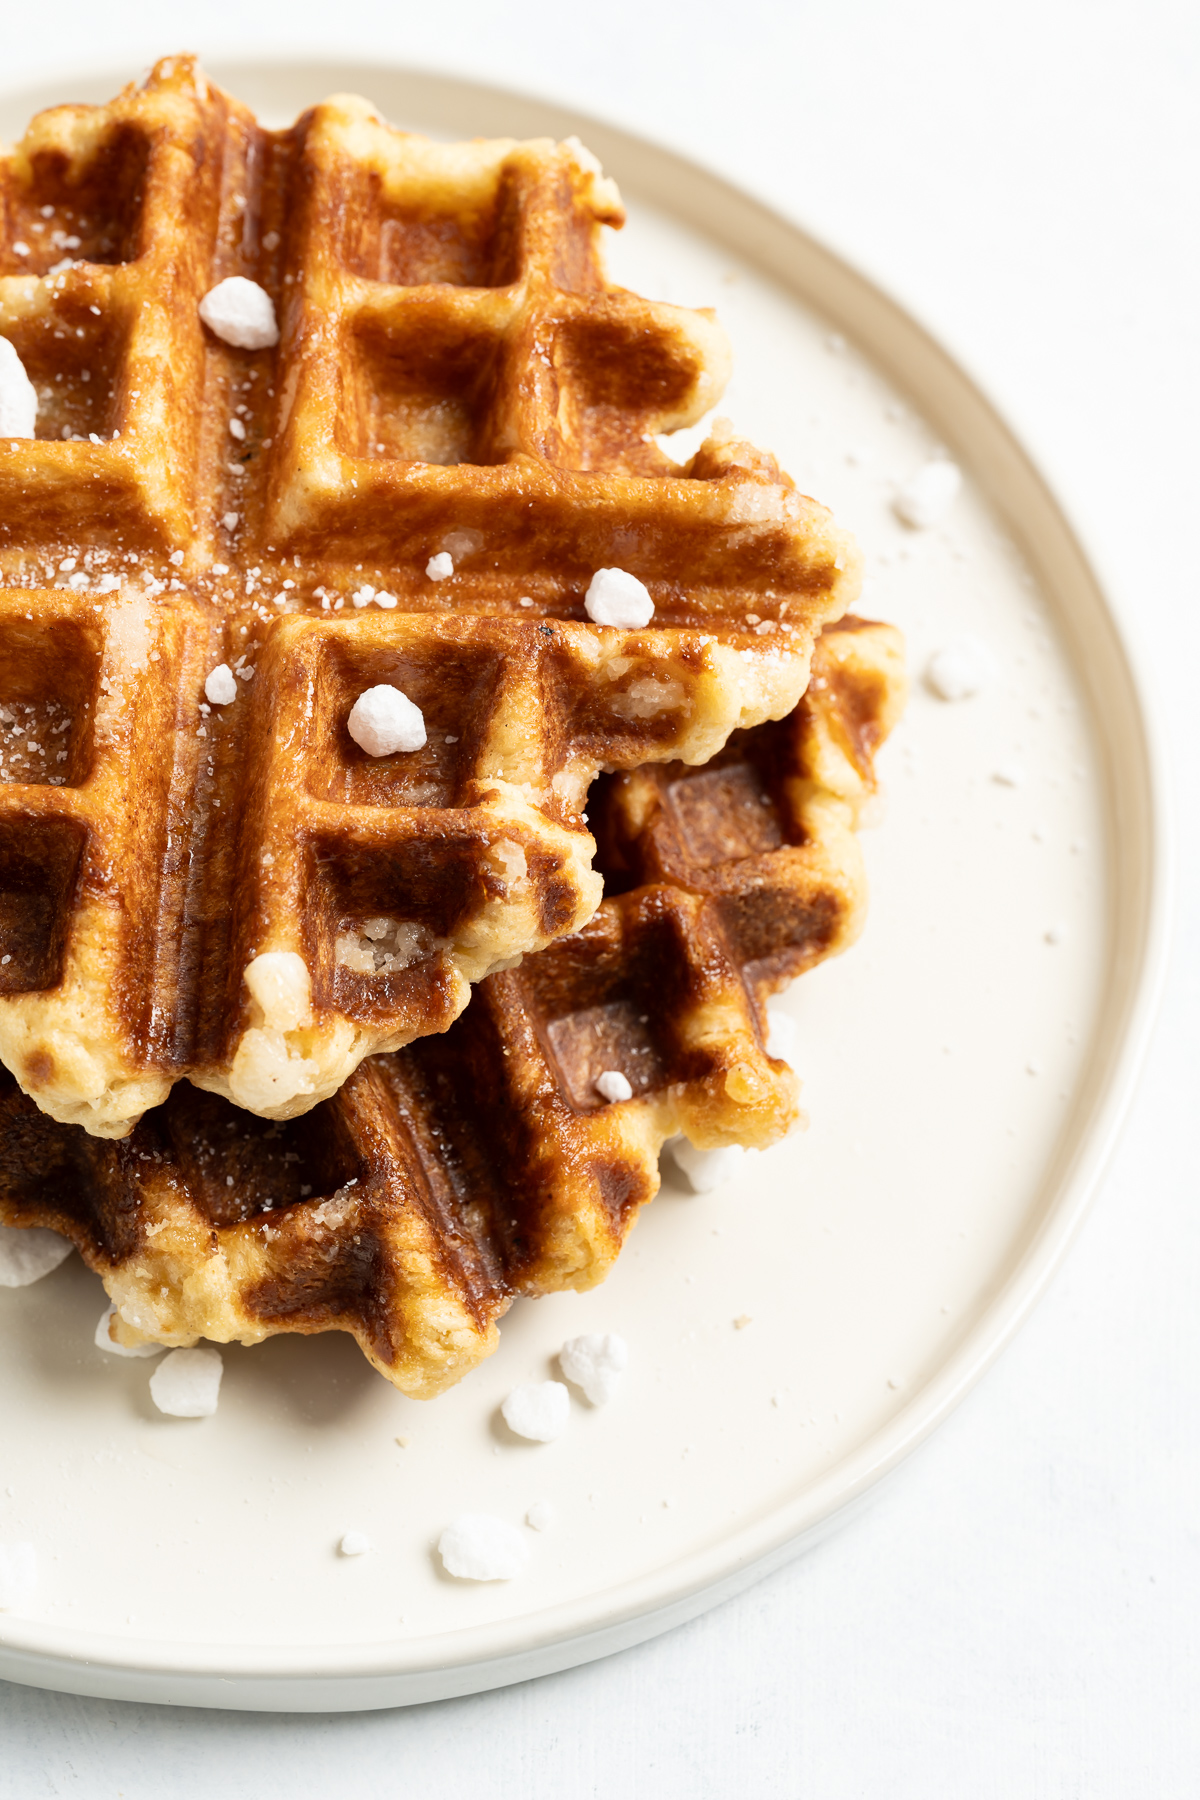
(1019, 1614)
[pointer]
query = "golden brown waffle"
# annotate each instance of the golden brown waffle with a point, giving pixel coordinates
(455, 378)
(481, 1164)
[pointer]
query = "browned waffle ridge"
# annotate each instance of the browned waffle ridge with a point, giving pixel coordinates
(455, 374)
(446, 1179)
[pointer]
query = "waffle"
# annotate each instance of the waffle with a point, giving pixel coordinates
(481, 1164)
(456, 383)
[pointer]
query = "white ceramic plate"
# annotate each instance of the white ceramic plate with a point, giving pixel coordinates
(964, 1074)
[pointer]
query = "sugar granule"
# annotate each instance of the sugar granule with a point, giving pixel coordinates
(383, 720)
(355, 1543)
(18, 396)
(220, 688)
(28, 1254)
(595, 1363)
(613, 1086)
(478, 1547)
(541, 1516)
(538, 1410)
(187, 1382)
(615, 597)
(241, 313)
(440, 567)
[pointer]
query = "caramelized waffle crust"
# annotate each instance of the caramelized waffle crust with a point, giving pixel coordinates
(455, 379)
(480, 1164)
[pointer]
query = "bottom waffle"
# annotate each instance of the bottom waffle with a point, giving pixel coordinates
(448, 1178)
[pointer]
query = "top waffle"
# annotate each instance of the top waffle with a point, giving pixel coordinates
(455, 379)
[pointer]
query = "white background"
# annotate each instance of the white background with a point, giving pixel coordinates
(1019, 1614)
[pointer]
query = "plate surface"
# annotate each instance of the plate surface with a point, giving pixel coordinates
(965, 1070)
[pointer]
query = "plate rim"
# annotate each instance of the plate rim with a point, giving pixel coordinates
(398, 1672)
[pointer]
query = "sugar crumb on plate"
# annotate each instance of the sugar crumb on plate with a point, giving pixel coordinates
(480, 1547)
(187, 1383)
(537, 1410)
(595, 1363)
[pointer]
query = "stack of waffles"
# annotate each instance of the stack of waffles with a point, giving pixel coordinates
(615, 842)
